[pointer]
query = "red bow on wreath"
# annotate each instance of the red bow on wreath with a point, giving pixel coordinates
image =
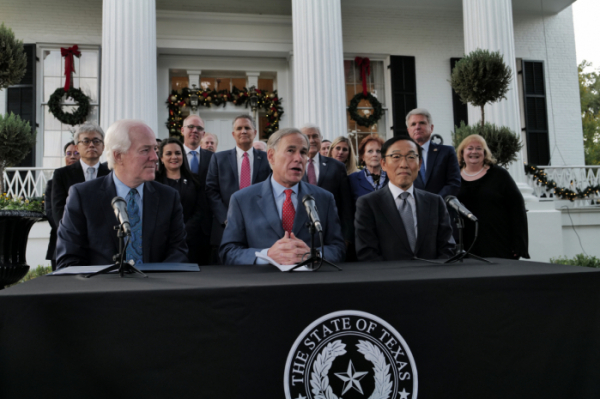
(365, 70)
(68, 53)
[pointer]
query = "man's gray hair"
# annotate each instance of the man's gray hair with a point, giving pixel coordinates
(87, 127)
(244, 116)
(312, 126)
(278, 135)
(117, 138)
(210, 134)
(419, 111)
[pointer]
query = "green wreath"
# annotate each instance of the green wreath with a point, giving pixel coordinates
(360, 119)
(75, 118)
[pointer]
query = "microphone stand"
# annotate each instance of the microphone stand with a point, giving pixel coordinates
(315, 257)
(120, 265)
(460, 251)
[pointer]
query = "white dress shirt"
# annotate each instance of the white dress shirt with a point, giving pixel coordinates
(240, 158)
(396, 191)
(85, 167)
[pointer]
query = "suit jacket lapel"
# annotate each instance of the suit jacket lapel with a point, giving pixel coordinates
(234, 168)
(103, 170)
(322, 170)
(266, 204)
(108, 191)
(77, 173)
(150, 213)
(364, 183)
(301, 216)
(423, 207)
(258, 161)
(392, 215)
(431, 157)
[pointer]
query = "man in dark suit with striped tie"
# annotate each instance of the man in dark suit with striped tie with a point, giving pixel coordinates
(89, 140)
(400, 221)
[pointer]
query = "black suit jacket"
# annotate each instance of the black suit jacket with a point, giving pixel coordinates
(196, 216)
(86, 235)
(205, 157)
(333, 177)
(442, 171)
(380, 233)
(48, 211)
(223, 180)
(63, 179)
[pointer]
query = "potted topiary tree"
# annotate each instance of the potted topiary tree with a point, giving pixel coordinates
(482, 78)
(17, 216)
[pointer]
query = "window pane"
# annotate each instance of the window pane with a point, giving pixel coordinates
(179, 82)
(50, 86)
(88, 64)
(52, 142)
(52, 63)
(89, 86)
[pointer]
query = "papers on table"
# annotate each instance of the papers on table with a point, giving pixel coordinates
(144, 267)
(283, 268)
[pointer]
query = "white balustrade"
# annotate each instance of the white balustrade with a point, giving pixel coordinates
(575, 178)
(26, 182)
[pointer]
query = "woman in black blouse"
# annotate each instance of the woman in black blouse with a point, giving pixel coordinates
(491, 194)
(173, 170)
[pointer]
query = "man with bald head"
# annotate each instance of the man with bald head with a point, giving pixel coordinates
(198, 158)
(209, 142)
(86, 235)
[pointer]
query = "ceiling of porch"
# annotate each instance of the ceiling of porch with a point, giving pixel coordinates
(284, 7)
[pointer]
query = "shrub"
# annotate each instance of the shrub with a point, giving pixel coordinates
(503, 142)
(480, 78)
(12, 58)
(16, 140)
(578, 260)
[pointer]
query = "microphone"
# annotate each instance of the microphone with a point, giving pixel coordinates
(120, 207)
(313, 214)
(453, 202)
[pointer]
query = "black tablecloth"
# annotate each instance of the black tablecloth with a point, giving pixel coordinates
(506, 330)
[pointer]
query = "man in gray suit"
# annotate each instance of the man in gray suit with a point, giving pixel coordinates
(269, 217)
(232, 170)
(400, 221)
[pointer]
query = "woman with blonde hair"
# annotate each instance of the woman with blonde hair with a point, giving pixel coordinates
(341, 150)
(492, 195)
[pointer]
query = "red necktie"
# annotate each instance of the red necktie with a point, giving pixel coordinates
(245, 175)
(289, 213)
(312, 176)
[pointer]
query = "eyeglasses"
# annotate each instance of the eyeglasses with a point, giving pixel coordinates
(87, 142)
(69, 153)
(191, 127)
(410, 158)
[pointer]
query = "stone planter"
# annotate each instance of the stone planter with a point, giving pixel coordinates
(14, 233)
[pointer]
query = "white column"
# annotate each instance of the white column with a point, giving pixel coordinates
(318, 65)
(129, 62)
(488, 25)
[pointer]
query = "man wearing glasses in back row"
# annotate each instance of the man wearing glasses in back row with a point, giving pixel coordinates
(89, 140)
(401, 221)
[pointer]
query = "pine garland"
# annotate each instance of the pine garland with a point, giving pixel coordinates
(563, 193)
(270, 102)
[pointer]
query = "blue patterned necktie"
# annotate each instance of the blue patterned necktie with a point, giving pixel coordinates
(134, 249)
(194, 164)
(422, 171)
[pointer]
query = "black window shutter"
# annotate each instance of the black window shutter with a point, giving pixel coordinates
(536, 118)
(461, 113)
(404, 91)
(21, 99)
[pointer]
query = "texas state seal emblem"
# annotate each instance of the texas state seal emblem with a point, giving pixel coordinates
(350, 354)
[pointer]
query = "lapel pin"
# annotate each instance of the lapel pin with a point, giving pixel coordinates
(324, 164)
(435, 149)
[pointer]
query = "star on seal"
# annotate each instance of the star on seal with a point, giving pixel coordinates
(351, 378)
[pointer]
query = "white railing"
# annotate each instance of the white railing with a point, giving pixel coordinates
(573, 178)
(26, 182)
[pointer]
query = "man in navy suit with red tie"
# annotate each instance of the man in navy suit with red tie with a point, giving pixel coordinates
(233, 170)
